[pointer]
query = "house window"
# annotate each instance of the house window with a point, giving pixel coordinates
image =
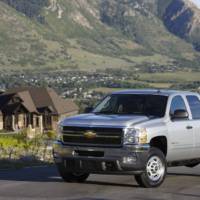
(49, 120)
(16, 118)
(37, 122)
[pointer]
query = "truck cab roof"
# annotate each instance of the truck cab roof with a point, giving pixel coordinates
(154, 92)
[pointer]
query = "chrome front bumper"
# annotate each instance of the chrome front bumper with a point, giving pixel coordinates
(101, 160)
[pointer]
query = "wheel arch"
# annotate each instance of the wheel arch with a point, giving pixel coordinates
(161, 143)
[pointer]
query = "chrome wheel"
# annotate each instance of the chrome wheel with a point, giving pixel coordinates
(155, 169)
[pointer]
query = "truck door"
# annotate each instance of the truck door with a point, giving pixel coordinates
(194, 104)
(180, 132)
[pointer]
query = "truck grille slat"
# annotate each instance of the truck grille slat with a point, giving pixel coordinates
(103, 136)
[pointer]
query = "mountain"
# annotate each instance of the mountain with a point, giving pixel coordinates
(96, 34)
(182, 17)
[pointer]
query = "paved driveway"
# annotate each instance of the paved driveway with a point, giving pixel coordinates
(45, 183)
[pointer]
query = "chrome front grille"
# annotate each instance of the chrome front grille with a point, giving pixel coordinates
(101, 136)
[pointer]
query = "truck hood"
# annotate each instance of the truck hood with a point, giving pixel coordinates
(103, 120)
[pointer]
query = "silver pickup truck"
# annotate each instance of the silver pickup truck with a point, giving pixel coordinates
(135, 132)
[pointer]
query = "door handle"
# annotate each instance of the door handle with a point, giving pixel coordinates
(189, 127)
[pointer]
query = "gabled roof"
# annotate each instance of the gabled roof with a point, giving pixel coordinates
(12, 108)
(36, 98)
(62, 105)
(27, 101)
(4, 99)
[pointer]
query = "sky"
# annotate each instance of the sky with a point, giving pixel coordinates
(197, 2)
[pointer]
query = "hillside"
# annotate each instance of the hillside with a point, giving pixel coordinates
(89, 35)
(182, 17)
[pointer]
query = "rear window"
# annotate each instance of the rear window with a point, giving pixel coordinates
(194, 104)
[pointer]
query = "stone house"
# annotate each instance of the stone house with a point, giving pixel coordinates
(38, 108)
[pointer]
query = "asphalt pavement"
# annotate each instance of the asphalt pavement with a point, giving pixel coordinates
(44, 183)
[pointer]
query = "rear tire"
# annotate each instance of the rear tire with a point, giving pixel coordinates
(71, 177)
(155, 170)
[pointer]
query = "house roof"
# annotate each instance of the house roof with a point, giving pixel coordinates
(27, 101)
(35, 98)
(62, 105)
(4, 99)
(12, 108)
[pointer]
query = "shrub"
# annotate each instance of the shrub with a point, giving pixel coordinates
(23, 133)
(51, 134)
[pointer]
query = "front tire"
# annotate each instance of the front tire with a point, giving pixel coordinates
(155, 170)
(72, 177)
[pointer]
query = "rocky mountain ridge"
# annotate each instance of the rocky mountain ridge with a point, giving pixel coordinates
(182, 18)
(99, 34)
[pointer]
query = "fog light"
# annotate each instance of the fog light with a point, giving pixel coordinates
(129, 160)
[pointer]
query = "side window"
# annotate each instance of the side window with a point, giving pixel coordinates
(177, 104)
(194, 104)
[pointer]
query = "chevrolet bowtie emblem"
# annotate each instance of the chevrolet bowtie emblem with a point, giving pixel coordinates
(90, 135)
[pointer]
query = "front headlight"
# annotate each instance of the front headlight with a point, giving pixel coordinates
(59, 132)
(135, 136)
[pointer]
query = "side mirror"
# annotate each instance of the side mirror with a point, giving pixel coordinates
(88, 109)
(179, 114)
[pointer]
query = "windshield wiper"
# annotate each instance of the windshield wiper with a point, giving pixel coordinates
(104, 112)
(151, 116)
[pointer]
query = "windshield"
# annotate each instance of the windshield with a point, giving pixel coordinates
(133, 104)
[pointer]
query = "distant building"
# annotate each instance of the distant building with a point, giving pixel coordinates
(38, 108)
